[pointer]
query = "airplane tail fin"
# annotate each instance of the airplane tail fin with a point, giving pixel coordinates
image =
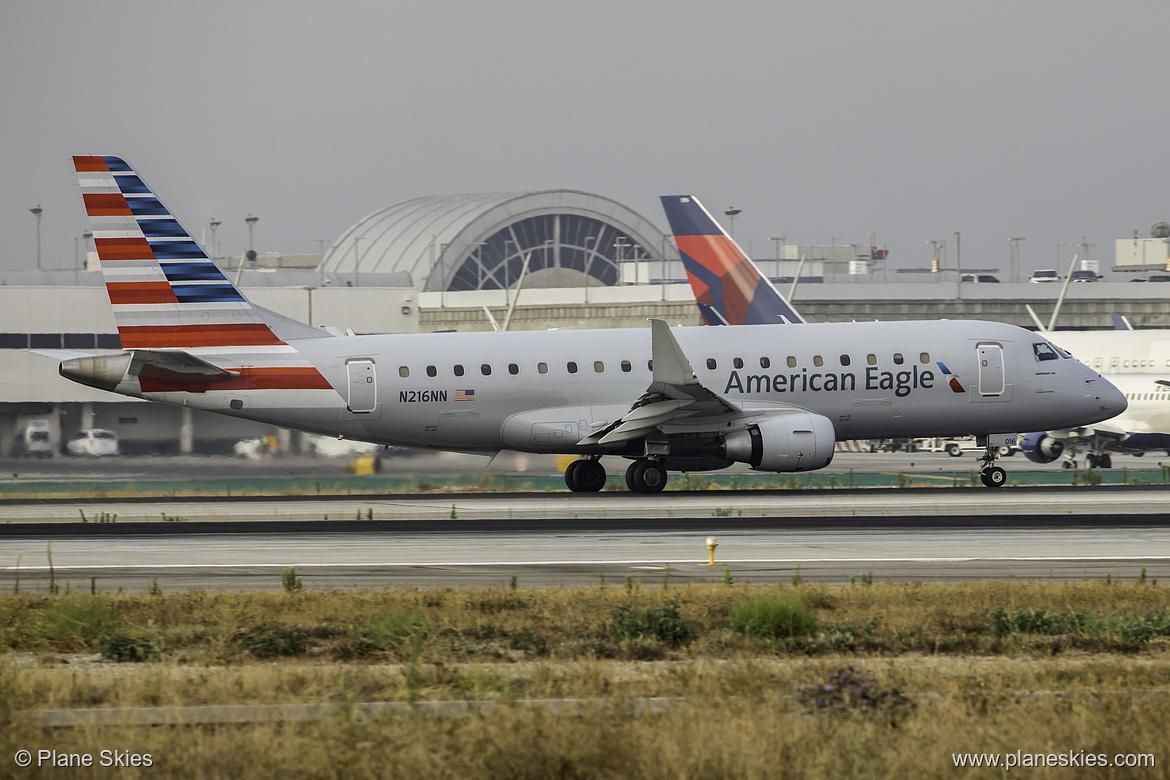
(166, 292)
(728, 287)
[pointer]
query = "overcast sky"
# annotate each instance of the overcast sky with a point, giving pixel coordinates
(908, 119)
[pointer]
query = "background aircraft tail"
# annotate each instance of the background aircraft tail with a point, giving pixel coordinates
(166, 292)
(728, 287)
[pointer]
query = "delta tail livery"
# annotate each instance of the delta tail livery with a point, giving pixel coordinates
(688, 399)
(728, 287)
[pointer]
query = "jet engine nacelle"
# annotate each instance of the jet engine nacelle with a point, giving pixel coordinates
(800, 441)
(1040, 447)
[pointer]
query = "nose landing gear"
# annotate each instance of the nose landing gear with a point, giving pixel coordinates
(992, 475)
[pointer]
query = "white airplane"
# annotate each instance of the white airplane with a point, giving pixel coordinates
(686, 400)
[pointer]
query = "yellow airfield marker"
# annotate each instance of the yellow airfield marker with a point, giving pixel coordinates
(712, 543)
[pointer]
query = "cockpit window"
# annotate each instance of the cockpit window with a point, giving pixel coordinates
(1045, 351)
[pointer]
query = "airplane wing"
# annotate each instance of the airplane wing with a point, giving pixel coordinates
(675, 394)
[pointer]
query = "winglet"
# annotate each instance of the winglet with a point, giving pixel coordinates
(728, 287)
(671, 366)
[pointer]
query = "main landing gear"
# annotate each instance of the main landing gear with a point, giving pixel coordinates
(585, 476)
(992, 475)
(646, 476)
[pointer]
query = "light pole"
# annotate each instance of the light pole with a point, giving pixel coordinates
(1014, 256)
(251, 220)
(214, 225)
(37, 213)
(732, 212)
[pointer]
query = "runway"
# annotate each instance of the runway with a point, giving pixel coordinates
(571, 540)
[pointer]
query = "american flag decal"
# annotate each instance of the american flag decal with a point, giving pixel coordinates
(464, 395)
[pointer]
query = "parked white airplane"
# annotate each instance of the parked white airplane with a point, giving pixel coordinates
(764, 395)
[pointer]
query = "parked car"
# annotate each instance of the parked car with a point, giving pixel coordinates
(978, 278)
(1044, 275)
(1085, 276)
(35, 439)
(96, 442)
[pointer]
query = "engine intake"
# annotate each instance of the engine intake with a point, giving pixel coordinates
(800, 441)
(1040, 447)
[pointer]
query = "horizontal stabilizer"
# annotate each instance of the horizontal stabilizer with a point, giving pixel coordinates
(176, 366)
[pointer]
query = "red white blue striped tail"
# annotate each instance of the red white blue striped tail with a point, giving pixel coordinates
(166, 292)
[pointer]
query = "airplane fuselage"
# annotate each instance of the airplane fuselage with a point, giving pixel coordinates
(544, 391)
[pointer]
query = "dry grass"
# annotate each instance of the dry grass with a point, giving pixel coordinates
(969, 691)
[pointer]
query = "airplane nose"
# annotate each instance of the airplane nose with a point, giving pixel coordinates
(1107, 396)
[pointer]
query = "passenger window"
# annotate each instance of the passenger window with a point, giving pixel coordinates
(924, 357)
(711, 364)
(818, 361)
(845, 360)
(513, 369)
(403, 371)
(485, 369)
(898, 359)
(598, 367)
(871, 360)
(571, 367)
(738, 363)
(627, 367)
(791, 362)
(1044, 351)
(432, 371)
(458, 370)
(650, 365)
(542, 368)
(765, 362)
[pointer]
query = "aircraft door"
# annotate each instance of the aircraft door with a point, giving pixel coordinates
(363, 386)
(991, 378)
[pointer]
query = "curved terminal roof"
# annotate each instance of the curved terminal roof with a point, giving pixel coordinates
(481, 242)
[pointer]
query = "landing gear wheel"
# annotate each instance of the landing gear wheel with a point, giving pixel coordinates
(1105, 461)
(993, 477)
(585, 476)
(646, 476)
(571, 475)
(590, 476)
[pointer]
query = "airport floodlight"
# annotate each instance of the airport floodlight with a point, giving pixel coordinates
(36, 212)
(251, 220)
(732, 212)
